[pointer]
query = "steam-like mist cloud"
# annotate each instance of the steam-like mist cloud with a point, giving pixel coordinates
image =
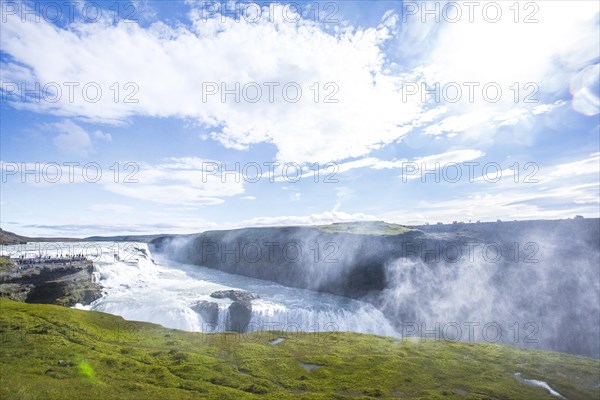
(543, 293)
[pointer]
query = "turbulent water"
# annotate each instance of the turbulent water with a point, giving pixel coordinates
(142, 286)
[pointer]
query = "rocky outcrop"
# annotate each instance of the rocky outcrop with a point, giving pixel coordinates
(234, 294)
(62, 283)
(208, 310)
(240, 313)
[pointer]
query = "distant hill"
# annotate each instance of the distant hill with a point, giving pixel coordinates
(7, 237)
(124, 238)
(12, 238)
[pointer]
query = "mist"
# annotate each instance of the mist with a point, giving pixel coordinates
(533, 284)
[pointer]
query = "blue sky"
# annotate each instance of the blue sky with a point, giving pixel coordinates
(513, 107)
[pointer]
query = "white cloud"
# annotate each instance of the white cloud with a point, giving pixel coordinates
(451, 156)
(436, 162)
(590, 165)
(552, 204)
(177, 181)
(103, 136)
(72, 139)
(542, 58)
(360, 163)
(458, 123)
(563, 40)
(170, 65)
(584, 88)
(110, 208)
(454, 156)
(536, 194)
(180, 181)
(579, 171)
(342, 193)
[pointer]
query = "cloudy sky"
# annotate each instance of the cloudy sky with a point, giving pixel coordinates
(165, 116)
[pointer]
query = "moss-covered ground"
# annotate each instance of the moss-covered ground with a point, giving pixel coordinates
(52, 352)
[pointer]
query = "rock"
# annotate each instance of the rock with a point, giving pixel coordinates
(14, 291)
(235, 295)
(143, 251)
(51, 282)
(208, 310)
(240, 313)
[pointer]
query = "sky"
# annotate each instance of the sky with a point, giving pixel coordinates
(145, 117)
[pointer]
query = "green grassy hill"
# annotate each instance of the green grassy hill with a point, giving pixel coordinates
(52, 352)
(365, 228)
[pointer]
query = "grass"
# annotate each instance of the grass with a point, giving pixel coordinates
(52, 352)
(365, 228)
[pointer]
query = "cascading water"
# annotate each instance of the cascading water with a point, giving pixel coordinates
(138, 285)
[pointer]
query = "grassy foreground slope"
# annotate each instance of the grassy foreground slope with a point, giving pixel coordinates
(52, 352)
